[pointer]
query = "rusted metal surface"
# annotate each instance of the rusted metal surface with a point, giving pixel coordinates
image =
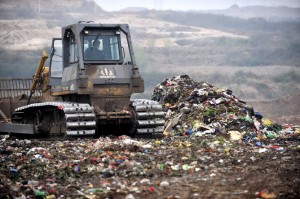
(8, 105)
(3, 117)
(117, 90)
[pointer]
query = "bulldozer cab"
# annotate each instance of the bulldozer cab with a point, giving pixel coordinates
(90, 54)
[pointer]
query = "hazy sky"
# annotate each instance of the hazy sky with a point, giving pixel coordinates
(113, 5)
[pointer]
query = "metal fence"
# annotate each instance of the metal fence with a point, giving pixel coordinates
(15, 87)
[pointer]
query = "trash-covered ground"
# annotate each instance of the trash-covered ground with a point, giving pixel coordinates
(215, 146)
(176, 167)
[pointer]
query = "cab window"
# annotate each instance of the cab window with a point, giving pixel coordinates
(101, 48)
(56, 59)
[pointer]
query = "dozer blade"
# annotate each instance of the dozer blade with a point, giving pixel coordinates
(17, 128)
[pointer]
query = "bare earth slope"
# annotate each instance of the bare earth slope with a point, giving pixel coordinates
(282, 110)
(30, 34)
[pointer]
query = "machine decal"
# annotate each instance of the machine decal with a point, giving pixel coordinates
(107, 73)
(72, 87)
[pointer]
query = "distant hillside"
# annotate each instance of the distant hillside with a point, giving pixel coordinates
(28, 9)
(272, 14)
(268, 13)
(267, 43)
(134, 9)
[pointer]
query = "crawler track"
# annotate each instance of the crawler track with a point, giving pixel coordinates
(149, 117)
(56, 120)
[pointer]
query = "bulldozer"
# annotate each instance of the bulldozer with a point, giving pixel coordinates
(85, 90)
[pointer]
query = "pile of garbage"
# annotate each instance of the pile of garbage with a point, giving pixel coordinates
(195, 108)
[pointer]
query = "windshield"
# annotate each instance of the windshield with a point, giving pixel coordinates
(101, 47)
